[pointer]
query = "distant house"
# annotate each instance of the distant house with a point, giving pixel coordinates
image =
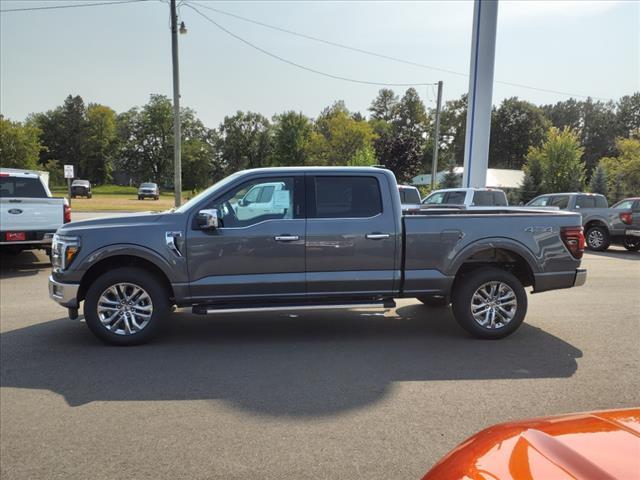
(496, 178)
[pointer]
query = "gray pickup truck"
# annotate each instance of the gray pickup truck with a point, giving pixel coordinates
(602, 225)
(310, 238)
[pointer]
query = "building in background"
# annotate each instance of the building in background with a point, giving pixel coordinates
(505, 179)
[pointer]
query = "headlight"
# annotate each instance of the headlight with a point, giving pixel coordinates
(63, 250)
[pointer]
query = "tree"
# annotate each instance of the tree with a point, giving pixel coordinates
(245, 141)
(450, 179)
(291, 136)
(515, 126)
(559, 157)
(365, 157)
(628, 115)
(564, 114)
(19, 145)
(337, 138)
(384, 105)
(598, 183)
(453, 127)
(400, 143)
(100, 144)
(623, 171)
(72, 134)
(531, 185)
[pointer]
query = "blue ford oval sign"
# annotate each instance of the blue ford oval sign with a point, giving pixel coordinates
(15, 211)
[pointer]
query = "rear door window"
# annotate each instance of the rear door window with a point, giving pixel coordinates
(586, 201)
(560, 201)
(409, 195)
(21, 187)
(455, 198)
(346, 197)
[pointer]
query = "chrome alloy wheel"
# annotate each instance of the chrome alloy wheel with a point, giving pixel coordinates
(124, 308)
(493, 305)
(595, 239)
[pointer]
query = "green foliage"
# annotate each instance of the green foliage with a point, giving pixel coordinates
(559, 159)
(623, 171)
(338, 139)
(291, 136)
(598, 183)
(365, 157)
(450, 179)
(515, 126)
(453, 127)
(400, 144)
(100, 143)
(19, 145)
(531, 185)
(245, 142)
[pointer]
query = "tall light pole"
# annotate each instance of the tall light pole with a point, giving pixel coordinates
(436, 138)
(177, 135)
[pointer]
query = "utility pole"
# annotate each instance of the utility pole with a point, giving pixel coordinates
(436, 138)
(177, 136)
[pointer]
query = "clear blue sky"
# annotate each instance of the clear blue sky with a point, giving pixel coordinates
(118, 55)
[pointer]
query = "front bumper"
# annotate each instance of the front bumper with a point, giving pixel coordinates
(66, 294)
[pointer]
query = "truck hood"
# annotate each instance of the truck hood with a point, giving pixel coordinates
(133, 220)
(601, 445)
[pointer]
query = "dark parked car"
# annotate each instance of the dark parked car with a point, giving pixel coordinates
(602, 225)
(322, 238)
(150, 190)
(81, 188)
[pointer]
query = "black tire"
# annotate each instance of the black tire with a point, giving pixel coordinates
(156, 198)
(140, 197)
(597, 239)
(632, 245)
(463, 293)
(89, 196)
(142, 278)
(434, 302)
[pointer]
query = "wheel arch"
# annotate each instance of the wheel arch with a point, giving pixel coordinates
(125, 257)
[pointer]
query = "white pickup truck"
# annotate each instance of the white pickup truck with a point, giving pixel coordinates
(29, 215)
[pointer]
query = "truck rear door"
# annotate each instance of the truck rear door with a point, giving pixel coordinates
(352, 236)
(25, 205)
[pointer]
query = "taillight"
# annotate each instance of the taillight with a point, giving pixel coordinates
(627, 218)
(573, 238)
(67, 214)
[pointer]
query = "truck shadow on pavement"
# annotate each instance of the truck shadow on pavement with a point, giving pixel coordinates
(22, 264)
(277, 364)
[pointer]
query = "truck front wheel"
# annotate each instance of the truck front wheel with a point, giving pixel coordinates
(126, 306)
(489, 303)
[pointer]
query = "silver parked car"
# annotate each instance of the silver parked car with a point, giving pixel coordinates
(148, 190)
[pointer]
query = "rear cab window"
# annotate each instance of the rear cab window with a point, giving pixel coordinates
(345, 197)
(22, 187)
(489, 198)
(409, 195)
(591, 201)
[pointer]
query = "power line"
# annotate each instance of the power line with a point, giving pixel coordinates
(383, 56)
(72, 5)
(303, 67)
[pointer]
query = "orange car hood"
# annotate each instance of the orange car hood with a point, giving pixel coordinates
(601, 445)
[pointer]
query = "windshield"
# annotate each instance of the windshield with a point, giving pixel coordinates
(80, 183)
(148, 185)
(205, 193)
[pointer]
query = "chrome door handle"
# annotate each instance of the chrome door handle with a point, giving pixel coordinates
(287, 238)
(376, 236)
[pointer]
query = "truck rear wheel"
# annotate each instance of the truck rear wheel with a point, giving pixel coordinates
(126, 306)
(598, 239)
(489, 303)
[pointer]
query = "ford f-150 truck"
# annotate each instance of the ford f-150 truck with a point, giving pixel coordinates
(29, 215)
(326, 238)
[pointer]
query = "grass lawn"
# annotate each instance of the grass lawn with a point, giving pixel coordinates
(117, 199)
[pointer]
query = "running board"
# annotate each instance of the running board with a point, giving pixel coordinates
(210, 309)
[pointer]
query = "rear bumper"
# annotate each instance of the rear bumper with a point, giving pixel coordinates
(557, 280)
(32, 238)
(66, 294)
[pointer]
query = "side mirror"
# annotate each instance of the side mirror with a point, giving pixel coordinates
(208, 219)
(242, 202)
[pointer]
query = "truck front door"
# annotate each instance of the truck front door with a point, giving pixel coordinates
(352, 236)
(256, 253)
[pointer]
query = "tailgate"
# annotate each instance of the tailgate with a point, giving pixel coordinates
(29, 214)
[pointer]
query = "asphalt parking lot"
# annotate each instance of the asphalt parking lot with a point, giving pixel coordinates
(332, 395)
